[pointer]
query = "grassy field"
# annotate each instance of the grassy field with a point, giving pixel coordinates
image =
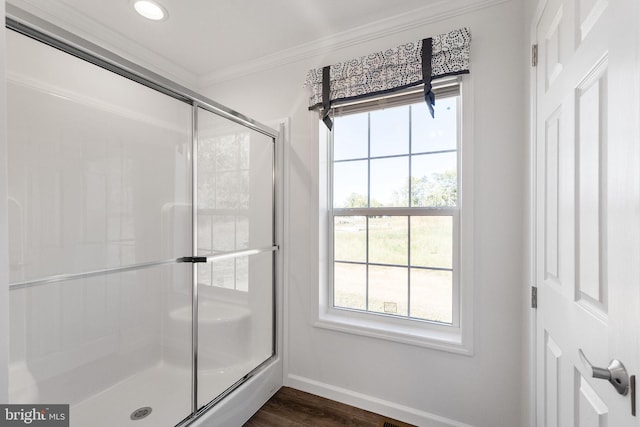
(397, 289)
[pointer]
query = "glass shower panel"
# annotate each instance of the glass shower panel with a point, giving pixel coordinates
(104, 345)
(99, 178)
(99, 170)
(235, 332)
(235, 193)
(235, 290)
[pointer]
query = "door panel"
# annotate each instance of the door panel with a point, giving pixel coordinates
(551, 170)
(591, 125)
(584, 200)
(591, 411)
(551, 386)
(235, 214)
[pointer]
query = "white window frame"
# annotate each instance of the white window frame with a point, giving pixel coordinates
(455, 338)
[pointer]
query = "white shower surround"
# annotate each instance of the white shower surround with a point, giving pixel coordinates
(159, 383)
(111, 344)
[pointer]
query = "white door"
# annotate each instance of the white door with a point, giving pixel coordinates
(587, 208)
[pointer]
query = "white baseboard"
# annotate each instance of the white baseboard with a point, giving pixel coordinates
(370, 403)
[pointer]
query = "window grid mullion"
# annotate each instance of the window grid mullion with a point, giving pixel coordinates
(331, 295)
(408, 266)
(394, 211)
(380, 264)
(393, 156)
(368, 205)
(366, 302)
(409, 218)
(368, 160)
(410, 157)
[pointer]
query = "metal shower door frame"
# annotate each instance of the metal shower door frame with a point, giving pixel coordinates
(38, 29)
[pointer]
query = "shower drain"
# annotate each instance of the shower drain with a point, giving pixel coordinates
(140, 413)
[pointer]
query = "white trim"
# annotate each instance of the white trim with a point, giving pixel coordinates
(437, 337)
(532, 318)
(434, 12)
(456, 339)
(284, 210)
(466, 251)
(72, 20)
(371, 403)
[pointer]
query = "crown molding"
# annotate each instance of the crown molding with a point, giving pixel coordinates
(70, 19)
(435, 12)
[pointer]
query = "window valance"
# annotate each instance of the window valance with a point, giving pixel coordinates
(394, 69)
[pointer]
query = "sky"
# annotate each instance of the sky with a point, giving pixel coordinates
(393, 130)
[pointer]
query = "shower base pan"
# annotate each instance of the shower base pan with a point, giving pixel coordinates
(157, 394)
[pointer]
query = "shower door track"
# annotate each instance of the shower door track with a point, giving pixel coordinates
(38, 29)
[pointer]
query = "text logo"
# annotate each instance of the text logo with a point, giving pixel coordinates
(34, 415)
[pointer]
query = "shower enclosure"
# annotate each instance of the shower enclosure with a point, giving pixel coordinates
(142, 238)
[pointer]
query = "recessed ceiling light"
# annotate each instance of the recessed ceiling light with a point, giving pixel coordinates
(150, 10)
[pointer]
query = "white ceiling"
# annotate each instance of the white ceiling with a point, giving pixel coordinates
(205, 37)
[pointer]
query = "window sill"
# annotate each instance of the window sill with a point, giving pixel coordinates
(405, 331)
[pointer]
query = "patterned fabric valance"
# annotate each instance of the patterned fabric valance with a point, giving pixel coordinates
(407, 65)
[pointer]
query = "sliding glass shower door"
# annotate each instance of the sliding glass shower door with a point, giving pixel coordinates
(235, 232)
(141, 239)
(100, 210)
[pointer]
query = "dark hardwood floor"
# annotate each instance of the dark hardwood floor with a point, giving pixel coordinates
(294, 408)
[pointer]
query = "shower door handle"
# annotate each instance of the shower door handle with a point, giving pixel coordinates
(615, 373)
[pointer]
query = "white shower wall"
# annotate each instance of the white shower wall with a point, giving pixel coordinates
(101, 158)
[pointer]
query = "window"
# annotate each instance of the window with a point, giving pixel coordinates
(394, 205)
